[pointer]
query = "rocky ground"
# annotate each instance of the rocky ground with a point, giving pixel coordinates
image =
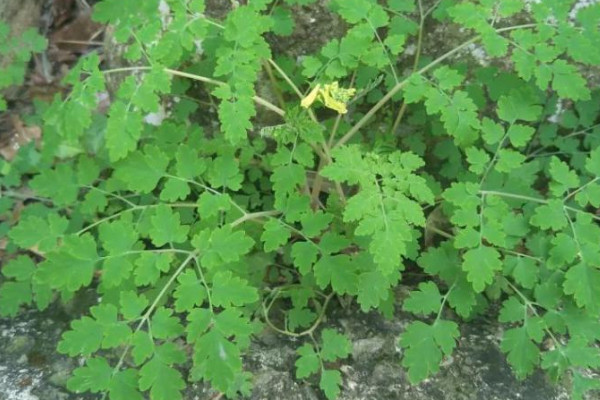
(31, 369)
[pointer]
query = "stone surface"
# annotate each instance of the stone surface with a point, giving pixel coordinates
(31, 369)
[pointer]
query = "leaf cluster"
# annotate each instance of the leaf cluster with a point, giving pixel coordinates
(483, 175)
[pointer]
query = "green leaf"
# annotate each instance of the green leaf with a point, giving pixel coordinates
(36, 231)
(526, 272)
(13, 295)
(334, 345)
(283, 22)
(189, 163)
(175, 189)
(286, 178)
(216, 359)
(72, 265)
(330, 383)
(478, 159)
(402, 5)
(523, 354)
(481, 264)
(304, 255)
(132, 304)
(123, 130)
(124, 386)
(158, 374)
(568, 82)
(352, 11)
(550, 216)
(95, 376)
(21, 268)
(314, 223)
(592, 163)
(235, 118)
(275, 235)
(339, 271)
(221, 246)
(518, 105)
(300, 318)
(308, 362)
(224, 172)
(427, 300)
(229, 290)
(166, 227)
(165, 325)
(143, 347)
(519, 135)
(448, 78)
(583, 283)
(59, 184)
(117, 237)
(141, 171)
(563, 177)
(492, 131)
(210, 205)
(88, 335)
(509, 160)
(425, 345)
(512, 310)
(372, 289)
(149, 266)
(462, 297)
(190, 291)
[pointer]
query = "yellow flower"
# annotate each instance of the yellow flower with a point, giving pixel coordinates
(331, 95)
(312, 96)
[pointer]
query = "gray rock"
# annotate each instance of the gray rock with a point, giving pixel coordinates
(20, 344)
(364, 350)
(271, 384)
(61, 371)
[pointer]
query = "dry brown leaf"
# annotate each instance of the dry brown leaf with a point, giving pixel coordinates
(74, 38)
(19, 136)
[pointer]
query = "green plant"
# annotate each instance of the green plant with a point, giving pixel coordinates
(486, 176)
(15, 53)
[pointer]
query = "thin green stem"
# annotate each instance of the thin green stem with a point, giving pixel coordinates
(253, 216)
(116, 196)
(20, 196)
(135, 208)
(535, 200)
(513, 196)
(567, 197)
(444, 299)
(309, 331)
(157, 251)
(495, 157)
(276, 89)
(286, 78)
(200, 78)
(204, 283)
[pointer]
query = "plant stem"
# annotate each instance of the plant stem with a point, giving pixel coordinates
(309, 331)
(513, 196)
(200, 78)
(253, 216)
(274, 84)
(573, 193)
